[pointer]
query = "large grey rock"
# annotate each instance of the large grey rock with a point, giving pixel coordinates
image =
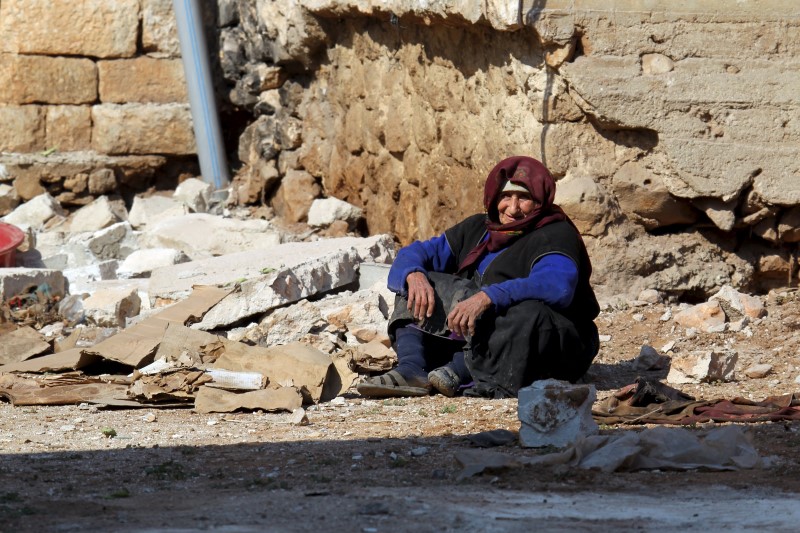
(555, 413)
(271, 277)
(113, 242)
(200, 235)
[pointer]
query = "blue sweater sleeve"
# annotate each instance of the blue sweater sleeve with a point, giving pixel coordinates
(420, 256)
(552, 280)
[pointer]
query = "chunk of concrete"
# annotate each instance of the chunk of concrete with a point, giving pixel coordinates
(707, 316)
(117, 241)
(555, 413)
(325, 211)
(200, 235)
(93, 217)
(703, 366)
(195, 194)
(103, 270)
(17, 280)
(112, 307)
(272, 277)
(140, 263)
(152, 209)
(736, 304)
(35, 213)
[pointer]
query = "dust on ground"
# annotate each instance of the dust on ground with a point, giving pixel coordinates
(388, 465)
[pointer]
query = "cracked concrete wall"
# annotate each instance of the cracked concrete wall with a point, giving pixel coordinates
(658, 118)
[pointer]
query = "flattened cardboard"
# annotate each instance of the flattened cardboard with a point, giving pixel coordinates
(211, 400)
(25, 391)
(137, 345)
(72, 359)
(21, 344)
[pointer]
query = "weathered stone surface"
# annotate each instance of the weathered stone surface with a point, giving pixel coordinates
(35, 213)
(143, 129)
(140, 263)
(159, 29)
(28, 187)
(112, 307)
(325, 211)
(62, 27)
(15, 280)
(93, 217)
(116, 241)
(644, 198)
(758, 371)
(199, 235)
(703, 366)
(151, 209)
(195, 194)
(270, 277)
(707, 316)
(23, 128)
(48, 80)
(69, 128)
(142, 79)
(587, 204)
(294, 196)
(555, 413)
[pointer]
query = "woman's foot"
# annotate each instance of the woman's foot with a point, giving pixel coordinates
(445, 380)
(393, 384)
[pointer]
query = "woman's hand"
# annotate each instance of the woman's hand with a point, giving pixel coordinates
(462, 318)
(420, 295)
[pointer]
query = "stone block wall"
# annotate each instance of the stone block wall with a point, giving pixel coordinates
(670, 126)
(91, 76)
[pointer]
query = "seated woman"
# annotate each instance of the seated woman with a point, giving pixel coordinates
(498, 301)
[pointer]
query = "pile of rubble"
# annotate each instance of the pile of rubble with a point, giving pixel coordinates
(180, 302)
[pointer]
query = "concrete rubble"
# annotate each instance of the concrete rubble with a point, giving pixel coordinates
(555, 413)
(124, 287)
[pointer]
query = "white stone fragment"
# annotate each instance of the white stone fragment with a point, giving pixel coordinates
(35, 213)
(703, 366)
(195, 193)
(93, 217)
(140, 263)
(326, 211)
(103, 270)
(152, 209)
(112, 307)
(555, 413)
(758, 371)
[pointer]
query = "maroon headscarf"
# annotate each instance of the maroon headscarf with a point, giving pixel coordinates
(532, 175)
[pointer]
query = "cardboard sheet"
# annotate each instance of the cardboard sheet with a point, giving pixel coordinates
(211, 400)
(72, 359)
(21, 344)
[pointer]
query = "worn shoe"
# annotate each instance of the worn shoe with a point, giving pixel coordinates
(393, 384)
(445, 380)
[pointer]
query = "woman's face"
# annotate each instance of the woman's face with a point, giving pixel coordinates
(514, 205)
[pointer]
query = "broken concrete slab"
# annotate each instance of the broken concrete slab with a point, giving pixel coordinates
(703, 366)
(104, 270)
(92, 217)
(21, 344)
(147, 211)
(201, 235)
(269, 278)
(112, 307)
(35, 213)
(140, 263)
(211, 400)
(555, 413)
(116, 241)
(17, 280)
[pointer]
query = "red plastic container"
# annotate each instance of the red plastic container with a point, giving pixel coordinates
(10, 238)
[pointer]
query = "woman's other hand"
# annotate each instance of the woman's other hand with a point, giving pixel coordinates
(420, 295)
(462, 318)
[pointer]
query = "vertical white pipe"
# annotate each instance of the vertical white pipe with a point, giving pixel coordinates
(210, 148)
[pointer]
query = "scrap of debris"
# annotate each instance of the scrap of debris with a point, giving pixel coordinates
(166, 306)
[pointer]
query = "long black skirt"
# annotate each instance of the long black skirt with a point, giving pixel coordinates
(511, 349)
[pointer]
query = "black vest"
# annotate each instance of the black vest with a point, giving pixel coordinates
(517, 259)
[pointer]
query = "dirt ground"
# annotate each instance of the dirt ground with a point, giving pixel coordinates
(388, 465)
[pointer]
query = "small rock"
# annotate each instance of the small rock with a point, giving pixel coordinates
(638, 317)
(555, 413)
(666, 316)
(419, 452)
(195, 193)
(647, 359)
(67, 428)
(702, 316)
(325, 211)
(299, 417)
(703, 366)
(149, 417)
(667, 347)
(651, 296)
(339, 401)
(357, 457)
(736, 304)
(758, 371)
(739, 325)
(604, 338)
